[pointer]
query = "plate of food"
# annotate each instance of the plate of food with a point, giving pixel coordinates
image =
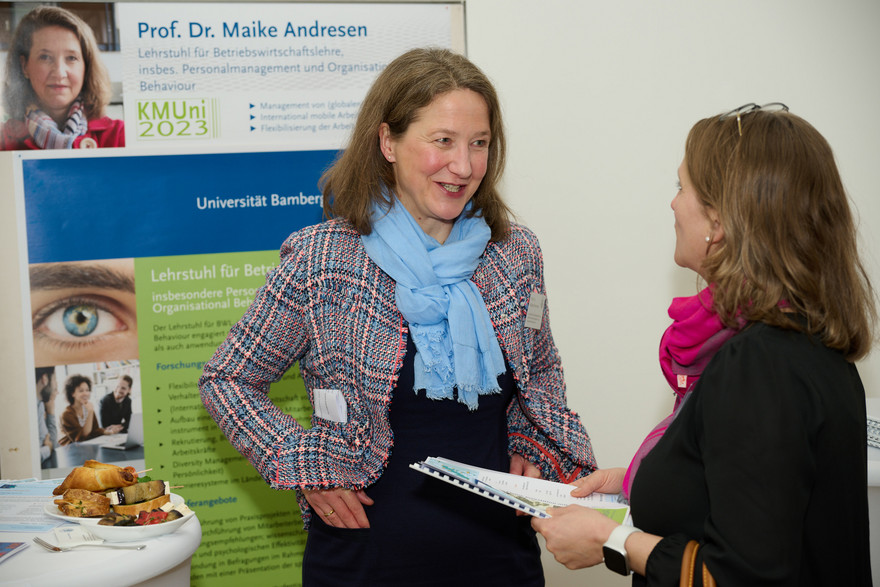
(118, 508)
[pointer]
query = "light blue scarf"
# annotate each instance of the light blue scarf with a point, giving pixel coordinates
(448, 320)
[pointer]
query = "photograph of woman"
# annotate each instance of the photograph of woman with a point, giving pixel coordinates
(79, 420)
(408, 312)
(56, 88)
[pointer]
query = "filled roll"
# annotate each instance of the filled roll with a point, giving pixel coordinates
(97, 479)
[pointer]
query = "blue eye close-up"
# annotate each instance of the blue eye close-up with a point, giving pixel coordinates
(81, 319)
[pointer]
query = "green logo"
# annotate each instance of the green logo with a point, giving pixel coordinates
(192, 118)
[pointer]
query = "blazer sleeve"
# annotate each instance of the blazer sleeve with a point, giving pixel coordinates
(105, 407)
(52, 427)
(541, 426)
(280, 328)
(126, 414)
(258, 350)
(69, 427)
(73, 432)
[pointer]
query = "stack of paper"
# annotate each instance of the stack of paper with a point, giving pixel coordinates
(532, 496)
(873, 422)
(873, 432)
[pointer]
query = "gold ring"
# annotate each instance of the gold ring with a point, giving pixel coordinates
(330, 513)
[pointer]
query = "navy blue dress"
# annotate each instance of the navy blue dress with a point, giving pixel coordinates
(424, 532)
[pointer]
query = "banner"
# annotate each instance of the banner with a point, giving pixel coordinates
(142, 281)
(261, 73)
(224, 74)
(137, 260)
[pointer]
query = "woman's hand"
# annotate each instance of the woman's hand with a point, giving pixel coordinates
(113, 429)
(88, 410)
(520, 466)
(600, 480)
(575, 535)
(340, 508)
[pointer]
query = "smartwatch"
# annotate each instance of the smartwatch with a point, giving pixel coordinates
(614, 551)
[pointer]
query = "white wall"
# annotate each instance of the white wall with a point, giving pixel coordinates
(598, 99)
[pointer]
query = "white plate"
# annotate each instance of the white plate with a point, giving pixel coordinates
(123, 533)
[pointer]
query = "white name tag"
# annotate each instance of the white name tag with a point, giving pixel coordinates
(330, 405)
(536, 310)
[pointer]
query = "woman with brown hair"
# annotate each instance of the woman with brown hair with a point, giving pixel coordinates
(409, 314)
(79, 421)
(56, 88)
(759, 476)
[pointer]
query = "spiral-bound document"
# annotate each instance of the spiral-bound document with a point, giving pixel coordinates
(526, 494)
(874, 432)
(873, 406)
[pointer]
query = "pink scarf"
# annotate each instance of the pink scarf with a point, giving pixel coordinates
(692, 339)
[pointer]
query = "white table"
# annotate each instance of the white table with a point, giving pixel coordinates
(164, 562)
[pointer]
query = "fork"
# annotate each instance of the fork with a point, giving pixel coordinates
(94, 541)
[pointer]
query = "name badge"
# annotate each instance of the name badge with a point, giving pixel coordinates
(535, 314)
(330, 405)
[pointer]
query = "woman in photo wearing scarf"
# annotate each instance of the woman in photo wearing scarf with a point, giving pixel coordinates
(759, 477)
(407, 312)
(56, 88)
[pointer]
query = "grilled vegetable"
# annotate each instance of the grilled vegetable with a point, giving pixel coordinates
(138, 492)
(114, 519)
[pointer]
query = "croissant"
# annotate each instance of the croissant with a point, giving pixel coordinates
(92, 464)
(97, 479)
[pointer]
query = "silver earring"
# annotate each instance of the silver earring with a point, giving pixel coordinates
(708, 239)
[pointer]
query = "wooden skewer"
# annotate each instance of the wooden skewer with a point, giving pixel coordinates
(139, 473)
(176, 486)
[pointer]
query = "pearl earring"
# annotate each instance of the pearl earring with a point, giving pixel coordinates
(708, 239)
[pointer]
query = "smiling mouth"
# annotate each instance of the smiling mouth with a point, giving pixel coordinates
(451, 187)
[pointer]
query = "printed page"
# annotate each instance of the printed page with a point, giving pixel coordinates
(539, 493)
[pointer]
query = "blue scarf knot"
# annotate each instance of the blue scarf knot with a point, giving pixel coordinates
(448, 320)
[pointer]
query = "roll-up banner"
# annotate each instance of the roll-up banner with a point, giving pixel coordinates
(135, 260)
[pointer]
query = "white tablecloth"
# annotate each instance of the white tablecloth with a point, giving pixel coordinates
(165, 561)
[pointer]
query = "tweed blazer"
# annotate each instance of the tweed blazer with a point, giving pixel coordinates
(328, 306)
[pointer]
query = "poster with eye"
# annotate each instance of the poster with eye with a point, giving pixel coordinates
(137, 267)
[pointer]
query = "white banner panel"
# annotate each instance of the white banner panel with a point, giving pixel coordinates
(292, 74)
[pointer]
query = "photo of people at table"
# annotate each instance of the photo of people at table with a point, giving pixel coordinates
(86, 411)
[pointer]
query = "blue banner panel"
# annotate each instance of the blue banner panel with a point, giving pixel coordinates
(161, 205)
